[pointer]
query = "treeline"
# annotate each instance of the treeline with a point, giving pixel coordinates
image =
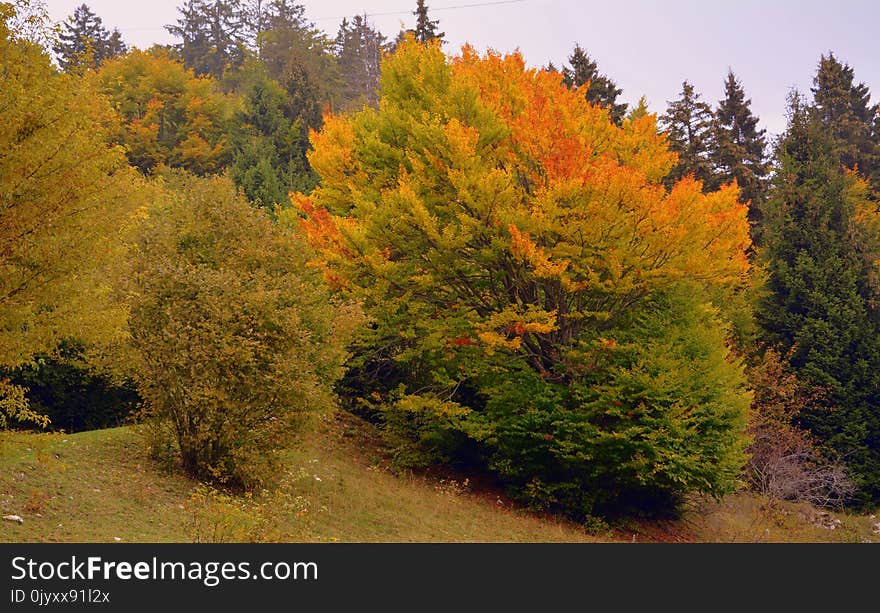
(508, 270)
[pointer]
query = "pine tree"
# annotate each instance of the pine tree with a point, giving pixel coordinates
(426, 28)
(822, 306)
(85, 42)
(738, 150)
(212, 35)
(844, 108)
(601, 91)
(359, 50)
(688, 126)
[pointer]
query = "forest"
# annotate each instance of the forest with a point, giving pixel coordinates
(505, 272)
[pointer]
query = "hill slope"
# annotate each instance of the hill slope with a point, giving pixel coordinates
(102, 486)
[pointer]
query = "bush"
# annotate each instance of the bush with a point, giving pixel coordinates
(237, 340)
(784, 461)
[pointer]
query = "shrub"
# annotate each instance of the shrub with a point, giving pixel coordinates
(237, 340)
(784, 461)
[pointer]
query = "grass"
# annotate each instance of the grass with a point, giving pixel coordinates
(101, 486)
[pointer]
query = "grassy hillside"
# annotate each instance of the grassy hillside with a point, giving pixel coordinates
(102, 486)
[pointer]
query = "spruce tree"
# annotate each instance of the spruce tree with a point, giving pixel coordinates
(358, 54)
(426, 28)
(84, 42)
(821, 309)
(738, 150)
(688, 126)
(212, 35)
(602, 91)
(845, 109)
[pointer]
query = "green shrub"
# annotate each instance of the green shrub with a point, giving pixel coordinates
(237, 340)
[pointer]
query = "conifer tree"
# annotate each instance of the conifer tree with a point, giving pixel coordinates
(688, 126)
(583, 70)
(85, 42)
(822, 306)
(738, 149)
(426, 28)
(845, 109)
(358, 53)
(212, 35)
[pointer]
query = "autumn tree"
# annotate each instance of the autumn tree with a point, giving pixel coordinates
(688, 125)
(66, 197)
(215, 283)
(170, 116)
(85, 42)
(582, 71)
(821, 310)
(538, 300)
(738, 149)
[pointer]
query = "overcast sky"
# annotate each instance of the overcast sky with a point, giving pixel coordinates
(647, 47)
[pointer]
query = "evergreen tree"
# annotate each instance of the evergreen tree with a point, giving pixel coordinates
(844, 108)
(212, 35)
(601, 91)
(688, 126)
(85, 42)
(269, 143)
(426, 28)
(822, 306)
(738, 149)
(358, 53)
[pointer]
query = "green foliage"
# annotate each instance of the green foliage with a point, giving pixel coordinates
(583, 71)
(844, 108)
(821, 310)
(236, 340)
(269, 141)
(659, 411)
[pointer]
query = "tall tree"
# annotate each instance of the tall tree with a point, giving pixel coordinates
(583, 70)
(821, 310)
(426, 28)
(738, 150)
(688, 126)
(533, 287)
(84, 42)
(66, 196)
(844, 108)
(359, 49)
(268, 141)
(212, 35)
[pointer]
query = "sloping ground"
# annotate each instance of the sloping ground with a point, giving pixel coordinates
(101, 486)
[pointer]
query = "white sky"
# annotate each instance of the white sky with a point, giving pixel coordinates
(647, 47)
